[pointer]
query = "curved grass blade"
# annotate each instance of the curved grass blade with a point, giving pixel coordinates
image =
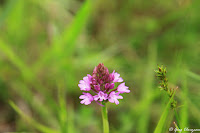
(63, 45)
(184, 109)
(177, 128)
(192, 75)
(163, 118)
(177, 117)
(36, 105)
(148, 87)
(27, 73)
(31, 121)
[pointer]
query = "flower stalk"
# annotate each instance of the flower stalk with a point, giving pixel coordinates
(104, 113)
(161, 75)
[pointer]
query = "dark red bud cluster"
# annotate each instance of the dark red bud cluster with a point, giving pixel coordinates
(102, 78)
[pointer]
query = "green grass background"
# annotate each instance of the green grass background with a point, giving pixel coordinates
(47, 46)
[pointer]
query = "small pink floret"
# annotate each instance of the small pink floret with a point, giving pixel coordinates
(122, 88)
(87, 98)
(101, 96)
(84, 84)
(113, 97)
(116, 77)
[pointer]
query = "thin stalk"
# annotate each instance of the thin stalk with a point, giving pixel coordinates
(178, 129)
(176, 117)
(105, 118)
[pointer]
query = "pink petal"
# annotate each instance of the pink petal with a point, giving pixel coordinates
(82, 97)
(116, 102)
(122, 88)
(116, 77)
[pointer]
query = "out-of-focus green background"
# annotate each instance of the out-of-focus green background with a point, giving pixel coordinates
(47, 46)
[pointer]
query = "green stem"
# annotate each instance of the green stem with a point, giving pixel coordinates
(105, 118)
(177, 127)
(177, 118)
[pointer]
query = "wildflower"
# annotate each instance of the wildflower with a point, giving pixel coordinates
(114, 96)
(101, 96)
(116, 77)
(122, 88)
(85, 83)
(87, 98)
(102, 84)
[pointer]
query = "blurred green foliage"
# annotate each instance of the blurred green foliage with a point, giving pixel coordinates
(47, 46)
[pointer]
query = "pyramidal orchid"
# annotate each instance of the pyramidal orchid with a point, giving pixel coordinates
(100, 87)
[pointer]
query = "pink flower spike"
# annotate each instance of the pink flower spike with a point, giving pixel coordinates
(87, 98)
(84, 84)
(113, 97)
(116, 77)
(102, 83)
(101, 96)
(122, 88)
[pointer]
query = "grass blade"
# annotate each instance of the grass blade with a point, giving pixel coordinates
(62, 112)
(31, 121)
(184, 109)
(163, 118)
(35, 104)
(63, 45)
(192, 75)
(27, 74)
(148, 85)
(4, 48)
(177, 128)
(177, 117)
